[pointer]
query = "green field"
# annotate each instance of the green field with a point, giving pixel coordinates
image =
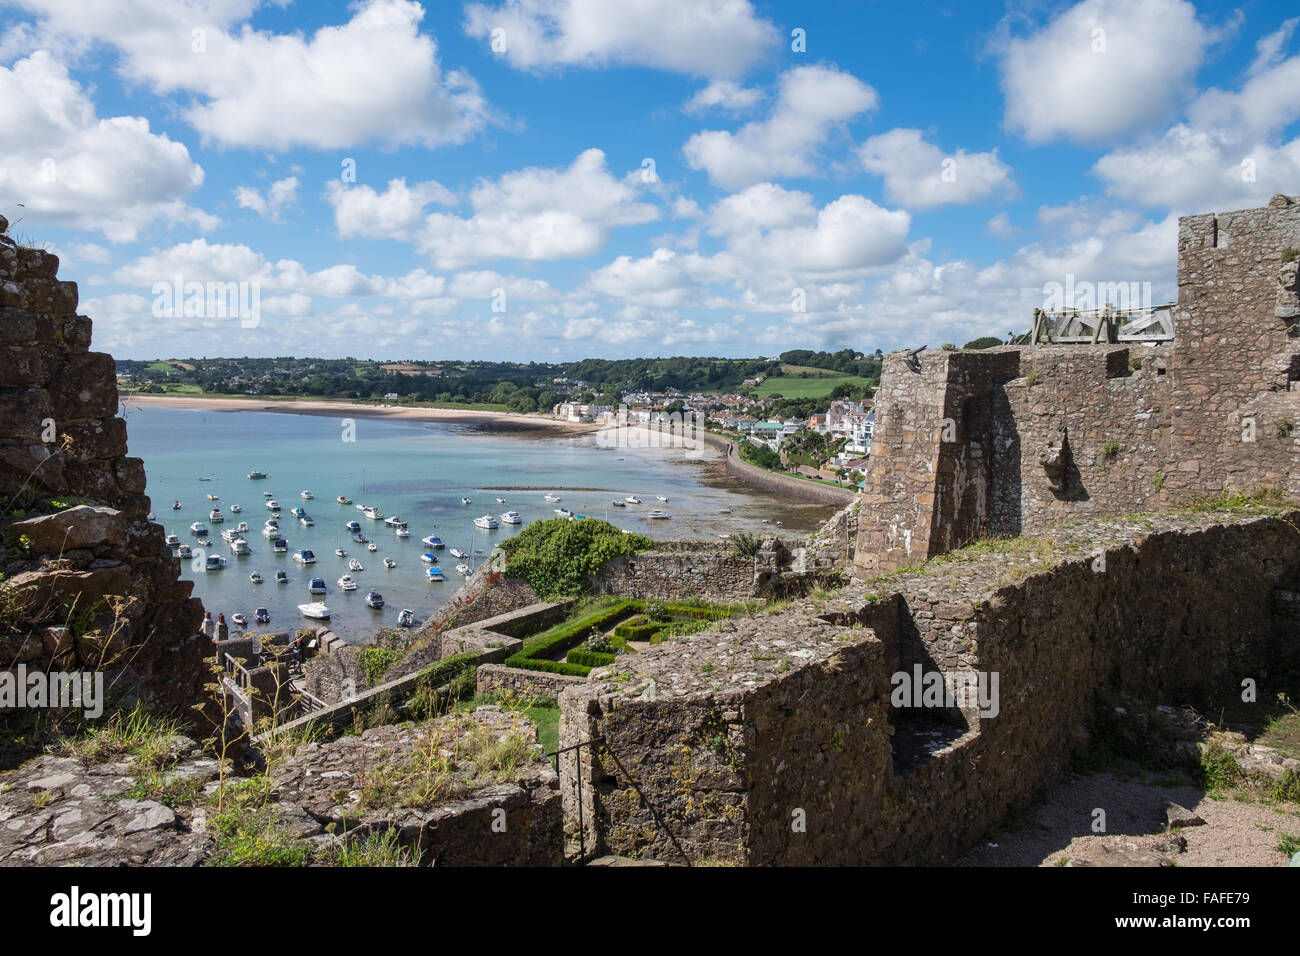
(816, 386)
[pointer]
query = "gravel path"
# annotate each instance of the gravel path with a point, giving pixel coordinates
(1236, 832)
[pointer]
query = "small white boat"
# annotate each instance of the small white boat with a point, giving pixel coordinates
(355, 565)
(268, 494)
(184, 551)
(372, 547)
(242, 527)
(429, 558)
(240, 620)
(198, 528)
(435, 573)
(203, 541)
(281, 577)
(346, 583)
(317, 586)
(618, 504)
(487, 522)
(406, 618)
(658, 514)
(389, 563)
(316, 610)
(254, 475)
(632, 500)
(280, 546)
(215, 516)
(307, 521)
(256, 577)
(172, 541)
(500, 500)
(463, 569)
(343, 500)
(235, 509)
(262, 616)
(360, 538)
(433, 542)
(353, 526)
(362, 507)
(552, 497)
(213, 497)
(724, 511)
(374, 599)
(215, 562)
(270, 530)
(151, 517)
(340, 552)
(305, 556)
(374, 514)
(298, 512)
(564, 512)
(464, 501)
(661, 498)
(458, 553)
(306, 495)
(512, 517)
(240, 546)
(403, 533)
(273, 505)
(230, 535)
(176, 506)
(394, 522)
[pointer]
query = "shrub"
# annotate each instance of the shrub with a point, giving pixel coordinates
(377, 661)
(557, 556)
(536, 653)
(744, 545)
(585, 658)
(639, 632)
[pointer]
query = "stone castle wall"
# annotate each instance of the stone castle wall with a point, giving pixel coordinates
(1014, 439)
(773, 739)
(97, 588)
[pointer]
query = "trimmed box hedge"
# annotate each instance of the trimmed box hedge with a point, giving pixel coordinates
(585, 658)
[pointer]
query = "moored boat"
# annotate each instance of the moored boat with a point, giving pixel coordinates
(317, 610)
(389, 563)
(374, 599)
(355, 565)
(305, 556)
(435, 573)
(199, 528)
(256, 577)
(512, 517)
(317, 586)
(433, 543)
(346, 583)
(262, 616)
(406, 617)
(487, 522)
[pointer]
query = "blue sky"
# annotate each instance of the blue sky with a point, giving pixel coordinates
(558, 179)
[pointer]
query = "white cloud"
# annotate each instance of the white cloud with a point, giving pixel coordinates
(723, 95)
(71, 168)
(813, 102)
(696, 37)
(375, 78)
(919, 175)
(1000, 227)
(1068, 80)
(281, 194)
(396, 213)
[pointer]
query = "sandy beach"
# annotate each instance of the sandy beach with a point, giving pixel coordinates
(497, 422)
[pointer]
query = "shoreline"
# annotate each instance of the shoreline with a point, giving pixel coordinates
(500, 422)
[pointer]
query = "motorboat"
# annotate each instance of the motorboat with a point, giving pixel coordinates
(262, 616)
(317, 586)
(317, 610)
(661, 498)
(355, 565)
(305, 556)
(215, 516)
(500, 500)
(372, 547)
(463, 569)
(268, 494)
(346, 583)
(353, 526)
(270, 530)
(374, 599)
(433, 543)
(307, 521)
(403, 533)
(458, 553)
(512, 517)
(406, 617)
(394, 522)
(362, 507)
(213, 498)
(389, 563)
(184, 551)
(632, 500)
(242, 527)
(658, 514)
(435, 573)
(172, 541)
(618, 504)
(340, 552)
(198, 528)
(343, 500)
(254, 475)
(374, 514)
(306, 495)
(428, 558)
(281, 577)
(151, 517)
(551, 497)
(240, 620)
(487, 522)
(215, 562)
(256, 577)
(176, 506)
(280, 546)
(360, 539)
(564, 512)
(235, 509)
(240, 546)
(275, 515)
(273, 505)
(724, 511)
(229, 535)
(464, 500)
(298, 511)
(203, 541)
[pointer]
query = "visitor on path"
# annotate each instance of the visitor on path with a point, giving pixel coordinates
(209, 627)
(223, 629)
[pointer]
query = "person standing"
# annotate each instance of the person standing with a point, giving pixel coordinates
(223, 629)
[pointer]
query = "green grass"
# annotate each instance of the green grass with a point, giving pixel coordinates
(818, 386)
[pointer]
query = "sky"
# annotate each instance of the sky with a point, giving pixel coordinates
(553, 180)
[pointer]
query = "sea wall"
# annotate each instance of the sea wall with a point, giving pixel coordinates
(93, 584)
(774, 739)
(800, 489)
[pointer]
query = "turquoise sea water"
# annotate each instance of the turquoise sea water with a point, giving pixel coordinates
(420, 471)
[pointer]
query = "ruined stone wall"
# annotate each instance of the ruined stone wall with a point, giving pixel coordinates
(710, 575)
(1015, 439)
(525, 683)
(60, 440)
(716, 745)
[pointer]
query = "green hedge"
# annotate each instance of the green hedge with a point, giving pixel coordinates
(551, 667)
(566, 637)
(585, 658)
(639, 632)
